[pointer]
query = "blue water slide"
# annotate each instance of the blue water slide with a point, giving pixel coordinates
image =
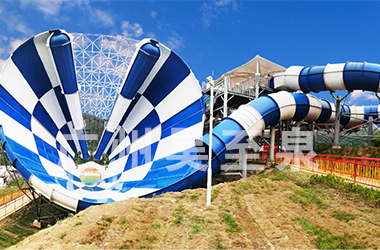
(61, 50)
(340, 76)
(153, 136)
(252, 118)
(150, 141)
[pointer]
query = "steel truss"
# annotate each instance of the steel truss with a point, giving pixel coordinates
(47, 212)
(101, 64)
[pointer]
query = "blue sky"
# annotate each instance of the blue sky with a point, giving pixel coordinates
(214, 37)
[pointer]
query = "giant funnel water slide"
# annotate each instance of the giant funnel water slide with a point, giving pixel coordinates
(149, 136)
(153, 134)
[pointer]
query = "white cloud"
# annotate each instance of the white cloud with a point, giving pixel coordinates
(15, 43)
(3, 50)
(48, 7)
(207, 14)
(3, 38)
(222, 3)
(358, 94)
(7, 46)
(2, 62)
(103, 17)
(22, 28)
(175, 41)
(15, 23)
(151, 35)
(57, 11)
(211, 11)
(153, 14)
(131, 30)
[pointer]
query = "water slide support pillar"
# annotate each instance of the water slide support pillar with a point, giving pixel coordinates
(272, 144)
(370, 130)
(286, 128)
(314, 134)
(209, 169)
(337, 121)
(280, 129)
(257, 80)
(244, 164)
(297, 145)
(225, 97)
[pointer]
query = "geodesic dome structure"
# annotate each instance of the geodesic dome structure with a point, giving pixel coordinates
(101, 64)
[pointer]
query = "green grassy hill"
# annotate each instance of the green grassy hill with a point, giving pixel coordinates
(271, 210)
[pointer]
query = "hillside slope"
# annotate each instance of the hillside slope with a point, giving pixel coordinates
(372, 152)
(270, 210)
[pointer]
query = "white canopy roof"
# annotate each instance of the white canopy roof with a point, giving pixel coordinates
(248, 70)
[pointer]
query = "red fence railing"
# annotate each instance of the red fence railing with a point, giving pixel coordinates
(11, 202)
(10, 196)
(360, 170)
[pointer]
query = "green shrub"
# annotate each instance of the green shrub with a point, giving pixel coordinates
(195, 197)
(6, 240)
(63, 234)
(21, 232)
(368, 194)
(324, 239)
(229, 220)
(343, 216)
(215, 193)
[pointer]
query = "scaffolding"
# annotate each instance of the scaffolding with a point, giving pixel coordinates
(239, 86)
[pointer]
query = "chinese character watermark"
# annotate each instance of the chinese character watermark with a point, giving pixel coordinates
(295, 142)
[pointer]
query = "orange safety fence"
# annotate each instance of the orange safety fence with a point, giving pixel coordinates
(10, 196)
(18, 201)
(359, 170)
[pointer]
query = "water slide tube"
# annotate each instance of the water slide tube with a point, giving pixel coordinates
(254, 117)
(151, 137)
(341, 76)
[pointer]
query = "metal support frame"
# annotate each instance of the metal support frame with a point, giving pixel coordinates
(314, 135)
(45, 209)
(337, 121)
(338, 100)
(244, 164)
(287, 126)
(209, 169)
(297, 144)
(378, 97)
(280, 130)
(327, 131)
(272, 144)
(370, 131)
(225, 96)
(257, 80)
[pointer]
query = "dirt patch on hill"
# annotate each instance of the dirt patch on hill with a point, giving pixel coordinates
(270, 210)
(371, 152)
